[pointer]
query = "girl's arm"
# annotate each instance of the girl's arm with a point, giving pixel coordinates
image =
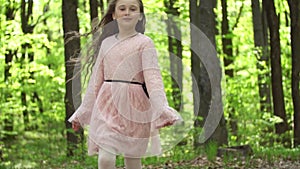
(83, 114)
(163, 115)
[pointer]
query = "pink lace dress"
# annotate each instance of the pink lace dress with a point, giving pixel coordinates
(120, 116)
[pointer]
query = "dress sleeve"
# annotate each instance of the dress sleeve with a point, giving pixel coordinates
(84, 112)
(162, 114)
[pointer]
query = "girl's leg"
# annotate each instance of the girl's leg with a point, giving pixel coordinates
(133, 163)
(106, 160)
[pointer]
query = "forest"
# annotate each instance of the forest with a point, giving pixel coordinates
(231, 68)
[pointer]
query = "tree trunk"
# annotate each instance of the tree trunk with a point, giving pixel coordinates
(228, 61)
(175, 52)
(8, 117)
(94, 15)
(175, 55)
(101, 4)
(26, 14)
(295, 36)
(48, 31)
(27, 52)
(202, 16)
(261, 47)
(71, 23)
(10, 12)
(263, 61)
(93, 10)
(276, 70)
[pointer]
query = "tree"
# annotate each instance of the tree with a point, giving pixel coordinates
(93, 9)
(228, 61)
(261, 48)
(101, 4)
(72, 47)
(276, 70)
(28, 54)
(174, 48)
(94, 14)
(10, 12)
(203, 17)
(295, 37)
(260, 30)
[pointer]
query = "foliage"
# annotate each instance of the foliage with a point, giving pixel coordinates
(241, 92)
(45, 145)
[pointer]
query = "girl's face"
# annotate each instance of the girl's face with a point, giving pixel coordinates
(127, 12)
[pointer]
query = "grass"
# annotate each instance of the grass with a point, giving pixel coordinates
(271, 154)
(46, 149)
(211, 150)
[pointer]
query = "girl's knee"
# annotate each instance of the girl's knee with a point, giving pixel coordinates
(133, 163)
(106, 160)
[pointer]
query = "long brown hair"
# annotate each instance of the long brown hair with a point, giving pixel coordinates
(105, 28)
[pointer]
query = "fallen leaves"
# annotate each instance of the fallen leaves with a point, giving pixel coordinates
(232, 163)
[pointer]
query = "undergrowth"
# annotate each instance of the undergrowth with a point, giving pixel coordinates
(47, 150)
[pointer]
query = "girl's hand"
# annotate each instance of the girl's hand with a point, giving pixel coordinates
(75, 125)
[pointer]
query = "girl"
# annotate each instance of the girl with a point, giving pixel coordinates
(125, 104)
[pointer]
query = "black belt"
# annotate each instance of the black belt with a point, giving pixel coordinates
(132, 82)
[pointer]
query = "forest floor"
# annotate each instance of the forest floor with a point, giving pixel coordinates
(202, 162)
(35, 150)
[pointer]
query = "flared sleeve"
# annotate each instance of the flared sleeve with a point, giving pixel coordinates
(162, 114)
(84, 112)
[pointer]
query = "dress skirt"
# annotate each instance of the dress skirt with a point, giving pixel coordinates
(121, 122)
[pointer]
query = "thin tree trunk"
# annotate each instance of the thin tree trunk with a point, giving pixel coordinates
(27, 52)
(9, 54)
(93, 10)
(228, 61)
(195, 62)
(175, 52)
(203, 17)
(48, 31)
(101, 4)
(276, 70)
(94, 15)
(295, 36)
(26, 14)
(261, 47)
(71, 23)
(263, 61)
(8, 117)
